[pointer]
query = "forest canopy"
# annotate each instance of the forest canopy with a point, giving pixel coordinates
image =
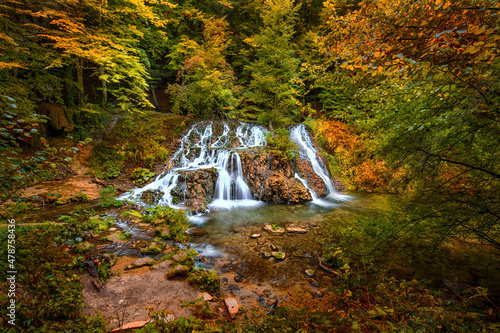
(414, 83)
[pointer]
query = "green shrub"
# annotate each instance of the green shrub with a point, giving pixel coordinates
(281, 145)
(141, 175)
(175, 219)
(205, 280)
(108, 199)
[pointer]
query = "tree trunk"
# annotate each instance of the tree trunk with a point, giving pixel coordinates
(79, 77)
(104, 88)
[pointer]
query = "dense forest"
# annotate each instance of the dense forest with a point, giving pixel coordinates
(402, 96)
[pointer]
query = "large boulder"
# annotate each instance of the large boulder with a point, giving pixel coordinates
(196, 188)
(272, 179)
(56, 116)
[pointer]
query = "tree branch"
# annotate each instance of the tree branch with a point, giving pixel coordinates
(494, 174)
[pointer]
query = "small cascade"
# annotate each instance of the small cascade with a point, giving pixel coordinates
(231, 189)
(315, 199)
(308, 151)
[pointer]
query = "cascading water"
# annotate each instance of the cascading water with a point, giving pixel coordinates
(308, 151)
(199, 149)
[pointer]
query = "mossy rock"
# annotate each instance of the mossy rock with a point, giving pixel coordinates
(163, 232)
(152, 196)
(83, 247)
(179, 270)
(278, 255)
(152, 248)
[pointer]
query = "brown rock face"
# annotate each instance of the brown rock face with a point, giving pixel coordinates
(272, 179)
(196, 187)
(314, 181)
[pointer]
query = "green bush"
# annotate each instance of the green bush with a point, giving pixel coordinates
(88, 120)
(175, 219)
(141, 175)
(108, 199)
(205, 280)
(281, 145)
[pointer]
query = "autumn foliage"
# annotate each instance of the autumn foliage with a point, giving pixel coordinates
(352, 155)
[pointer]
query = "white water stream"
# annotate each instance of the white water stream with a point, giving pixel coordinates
(308, 151)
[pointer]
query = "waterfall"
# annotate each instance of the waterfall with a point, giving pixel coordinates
(308, 151)
(217, 145)
(231, 189)
(199, 149)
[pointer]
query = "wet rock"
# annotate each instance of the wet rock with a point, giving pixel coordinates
(238, 229)
(179, 270)
(141, 262)
(115, 238)
(233, 287)
(295, 230)
(83, 247)
(278, 255)
(306, 171)
(314, 283)
(152, 196)
(266, 254)
(206, 297)
(232, 306)
(199, 232)
(196, 187)
(111, 258)
(274, 229)
(309, 272)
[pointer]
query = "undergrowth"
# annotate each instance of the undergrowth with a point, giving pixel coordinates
(48, 294)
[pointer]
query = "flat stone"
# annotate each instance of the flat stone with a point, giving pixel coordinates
(309, 272)
(131, 326)
(232, 306)
(115, 238)
(179, 270)
(266, 255)
(295, 230)
(198, 232)
(142, 262)
(112, 229)
(278, 231)
(180, 256)
(163, 264)
(255, 235)
(278, 255)
(206, 297)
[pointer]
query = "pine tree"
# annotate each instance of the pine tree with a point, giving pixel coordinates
(272, 96)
